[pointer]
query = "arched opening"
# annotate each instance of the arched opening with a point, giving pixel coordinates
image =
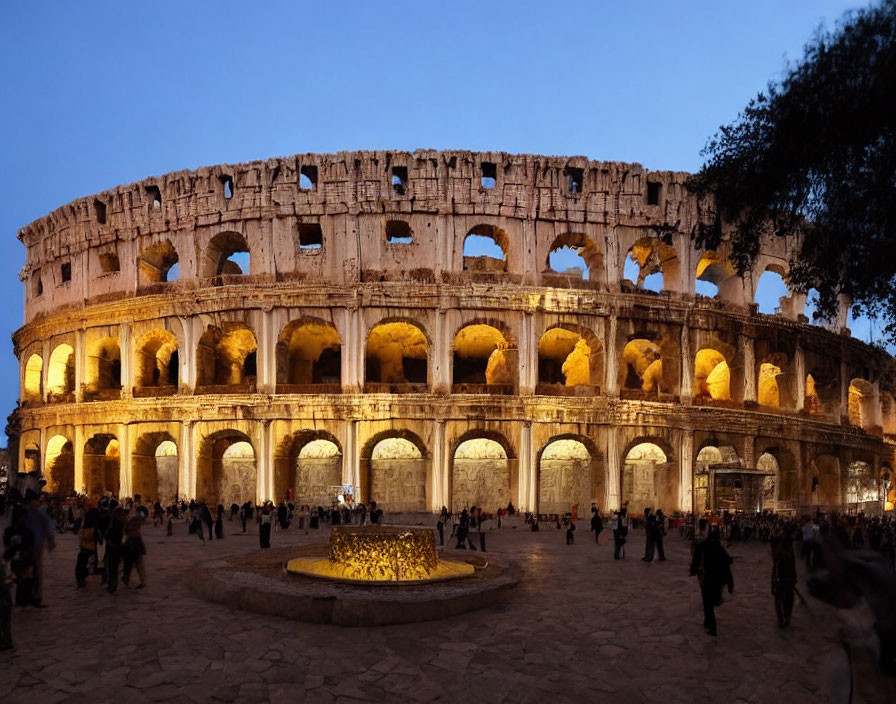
(318, 468)
(225, 469)
(643, 362)
(649, 479)
(574, 256)
(768, 394)
(861, 404)
(768, 463)
(712, 377)
(157, 364)
(103, 369)
(158, 263)
(483, 361)
(480, 475)
(651, 265)
(824, 488)
(398, 472)
(771, 290)
(31, 459)
(396, 359)
(309, 354)
(227, 254)
(568, 359)
(713, 270)
(722, 482)
(32, 390)
(155, 467)
(485, 249)
(61, 374)
(102, 465)
(565, 477)
(226, 359)
(862, 490)
(60, 472)
(812, 403)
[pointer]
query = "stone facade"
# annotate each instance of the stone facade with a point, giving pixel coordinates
(330, 298)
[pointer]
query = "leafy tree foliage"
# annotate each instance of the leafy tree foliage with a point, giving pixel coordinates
(815, 156)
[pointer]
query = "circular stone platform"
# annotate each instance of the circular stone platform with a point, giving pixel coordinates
(261, 584)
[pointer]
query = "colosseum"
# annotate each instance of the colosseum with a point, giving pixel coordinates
(323, 323)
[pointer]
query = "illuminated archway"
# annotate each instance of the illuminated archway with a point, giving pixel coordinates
(226, 469)
(861, 487)
(767, 462)
(568, 358)
(713, 270)
(652, 265)
(103, 367)
(480, 475)
(398, 474)
(712, 377)
(318, 468)
(485, 249)
(565, 477)
(60, 471)
(32, 389)
(226, 358)
(157, 361)
(482, 357)
(648, 480)
(154, 465)
(158, 263)
(61, 373)
(102, 465)
(396, 354)
(861, 404)
(768, 393)
(643, 362)
(824, 481)
(308, 352)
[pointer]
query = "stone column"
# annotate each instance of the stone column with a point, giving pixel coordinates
(528, 472)
(687, 365)
(265, 462)
(441, 366)
(749, 354)
(80, 364)
(78, 442)
(352, 352)
(267, 354)
(186, 462)
(125, 461)
(439, 469)
(528, 355)
(799, 365)
(614, 490)
(686, 472)
(350, 458)
(612, 356)
(45, 352)
(187, 357)
(127, 360)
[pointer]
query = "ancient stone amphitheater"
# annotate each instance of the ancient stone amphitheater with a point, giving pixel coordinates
(335, 323)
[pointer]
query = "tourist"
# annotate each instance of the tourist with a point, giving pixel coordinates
(114, 537)
(246, 514)
(205, 515)
(711, 565)
(282, 514)
(440, 527)
(264, 528)
(133, 550)
(18, 543)
(650, 533)
(597, 525)
(620, 531)
(463, 528)
(570, 529)
(87, 542)
(376, 514)
(234, 509)
(42, 529)
(783, 578)
(304, 515)
(660, 533)
(473, 528)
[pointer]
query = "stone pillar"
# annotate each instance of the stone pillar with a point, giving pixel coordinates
(528, 471)
(78, 449)
(686, 472)
(125, 461)
(187, 357)
(186, 462)
(614, 490)
(353, 352)
(350, 458)
(45, 370)
(265, 463)
(749, 354)
(441, 361)
(799, 365)
(267, 353)
(612, 359)
(80, 364)
(127, 360)
(688, 362)
(528, 355)
(439, 469)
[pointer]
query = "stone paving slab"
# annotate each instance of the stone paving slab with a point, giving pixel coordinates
(579, 627)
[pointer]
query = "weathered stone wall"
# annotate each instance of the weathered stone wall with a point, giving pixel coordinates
(300, 346)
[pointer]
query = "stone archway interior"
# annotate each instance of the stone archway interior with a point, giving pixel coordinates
(768, 393)
(396, 354)
(33, 382)
(318, 470)
(60, 474)
(480, 476)
(398, 476)
(565, 478)
(767, 462)
(644, 365)
(166, 470)
(61, 371)
(564, 357)
(648, 481)
(481, 356)
(712, 377)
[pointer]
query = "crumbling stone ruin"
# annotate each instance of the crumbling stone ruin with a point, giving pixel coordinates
(321, 320)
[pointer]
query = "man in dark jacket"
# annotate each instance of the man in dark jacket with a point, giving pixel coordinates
(597, 525)
(712, 566)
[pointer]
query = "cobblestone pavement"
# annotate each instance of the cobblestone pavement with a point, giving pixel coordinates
(581, 627)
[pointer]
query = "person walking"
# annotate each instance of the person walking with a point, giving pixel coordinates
(463, 528)
(43, 530)
(783, 578)
(114, 537)
(660, 534)
(87, 540)
(597, 524)
(711, 565)
(205, 515)
(133, 550)
(570, 529)
(264, 528)
(649, 535)
(620, 532)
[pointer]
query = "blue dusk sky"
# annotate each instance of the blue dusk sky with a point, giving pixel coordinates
(96, 94)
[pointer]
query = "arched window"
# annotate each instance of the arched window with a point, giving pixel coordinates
(861, 404)
(483, 361)
(308, 353)
(157, 364)
(712, 377)
(480, 475)
(651, 265)
(768, 392)
(647, 479)
(226, 359)
(396, 358)
(61, 374)
(226, 469)
(643, 362)
(771, 290)
(485, 249)
(103, 369)
(60, 471)
(32, 391)
(565, 477)
(575, 256)
(713, 270)
(158, 263)
(568, 359)
(227, 254)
